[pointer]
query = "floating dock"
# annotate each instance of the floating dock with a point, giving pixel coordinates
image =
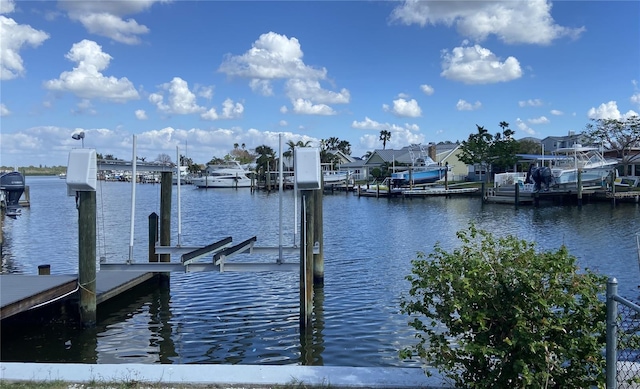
(20, 293)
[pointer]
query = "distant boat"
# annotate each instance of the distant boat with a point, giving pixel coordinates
(334, 177)
(568, 160)
(228, 175)
(62, 175)
(419, 175)
(423, 170)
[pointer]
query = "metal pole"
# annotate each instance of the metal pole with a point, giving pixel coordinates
(280, 194)
(612, 334)
(179, 179)
(133, 199)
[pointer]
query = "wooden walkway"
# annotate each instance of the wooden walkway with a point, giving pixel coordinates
(20, 292)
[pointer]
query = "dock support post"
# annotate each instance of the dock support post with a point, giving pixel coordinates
(44, 270)
(87, 256)
(318, 256)
(306, 260)
(153, 236)
(611, 357)
(484, 193)
(579, 188)
(165, 220)
(536, 199)
(517, 199)
(1, 227)
(613, 188)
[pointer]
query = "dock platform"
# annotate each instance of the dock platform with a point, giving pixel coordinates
(21, 292)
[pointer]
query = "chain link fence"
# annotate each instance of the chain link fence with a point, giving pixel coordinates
(623, 340)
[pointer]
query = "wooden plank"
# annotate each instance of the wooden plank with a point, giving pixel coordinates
(201, 252)
(242, 246)
(21, 292)
(112, 283)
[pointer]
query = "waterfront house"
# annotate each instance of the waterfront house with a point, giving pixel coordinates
(442, 153)
(551, 143)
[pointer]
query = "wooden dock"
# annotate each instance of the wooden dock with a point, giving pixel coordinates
(20, 292)
(438, 192)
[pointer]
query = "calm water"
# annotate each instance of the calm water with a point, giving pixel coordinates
(253, 318)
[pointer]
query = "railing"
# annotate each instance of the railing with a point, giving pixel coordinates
(623, 340)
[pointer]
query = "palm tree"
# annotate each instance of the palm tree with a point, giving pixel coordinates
(384, 137)
(266, 157)
(292, 145)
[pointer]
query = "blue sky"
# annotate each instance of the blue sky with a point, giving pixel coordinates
(204, 75)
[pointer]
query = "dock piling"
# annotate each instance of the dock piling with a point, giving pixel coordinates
(87, 256)
(318, 257)
(44, 270)
(165, 220)
(306, 260)
(153, 236)
(579, 188)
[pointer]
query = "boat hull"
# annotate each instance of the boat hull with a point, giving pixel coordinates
(217, 182)
(418, 177)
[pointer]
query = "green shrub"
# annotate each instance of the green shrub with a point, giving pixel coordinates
(495, 313)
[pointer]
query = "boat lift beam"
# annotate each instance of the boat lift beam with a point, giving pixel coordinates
(164, 267)
(220, 258)
(194, 255)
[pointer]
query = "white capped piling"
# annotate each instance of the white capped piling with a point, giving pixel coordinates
(82, 172)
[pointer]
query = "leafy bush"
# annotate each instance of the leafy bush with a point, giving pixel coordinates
(495, 313)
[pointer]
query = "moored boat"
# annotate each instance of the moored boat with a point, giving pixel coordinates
(228, 175)
(12, 186)
(589, 161)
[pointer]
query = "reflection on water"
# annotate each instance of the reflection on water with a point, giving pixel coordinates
(253, 318)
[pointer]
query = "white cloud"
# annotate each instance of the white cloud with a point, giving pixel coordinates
(276, 57)
(272, 56)
(635, 99)
(608, 111)
(306, 107)
(522, 126)
(404, 108)
(204, 91)
(427, 89)
(400, 135)
(141, 114)
(311, 89)
(283, 123)
(84, 107)
(4, 111)
(106, 18)
(477, 65)
(14, 37)
(87, 81)
(557, 112)
(180, 101)
(230, 110)
(509, 21)
(540, 120)
(530, 103)
(262, 87)
(462, 105)
(7, 6)
(284, 109)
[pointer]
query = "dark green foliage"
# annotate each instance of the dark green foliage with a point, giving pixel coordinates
(493, 152)
(495, 313)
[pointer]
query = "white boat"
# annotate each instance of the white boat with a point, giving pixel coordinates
(567, 161)
(228, 175)
(330, 177)
(423, 170)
